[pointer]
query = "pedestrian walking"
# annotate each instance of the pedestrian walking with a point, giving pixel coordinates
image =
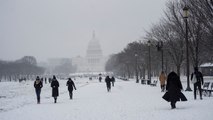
(162, 79)
(113, 81)
(70, 85)
(108, 83)
(38, 85)
(197, 80)
(55, 86)
(174, 88)
(45, 80)
(100, 78)
(50, 80)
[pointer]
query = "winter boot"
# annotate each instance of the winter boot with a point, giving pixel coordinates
(70, 95)
(55, 100)
(38, 100)
(173, 105)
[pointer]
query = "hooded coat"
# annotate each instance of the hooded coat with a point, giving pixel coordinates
(174, 87)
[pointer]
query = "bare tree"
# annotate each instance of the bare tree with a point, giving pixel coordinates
(201, 30)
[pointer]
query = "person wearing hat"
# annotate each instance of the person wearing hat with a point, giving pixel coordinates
(55, 86)
(38, 85)
(70, 85)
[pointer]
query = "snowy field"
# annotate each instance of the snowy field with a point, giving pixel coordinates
(126, 101)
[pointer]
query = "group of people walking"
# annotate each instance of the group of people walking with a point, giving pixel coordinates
(173, 87)
(55, 88)
(38, 84)
(170, 83)
(108, 81)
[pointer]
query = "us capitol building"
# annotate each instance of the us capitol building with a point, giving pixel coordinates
(94, 61)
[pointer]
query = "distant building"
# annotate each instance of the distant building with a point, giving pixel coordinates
(207, 69)
(94, 61)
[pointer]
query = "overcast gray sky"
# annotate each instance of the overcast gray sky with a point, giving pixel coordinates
(63, 28)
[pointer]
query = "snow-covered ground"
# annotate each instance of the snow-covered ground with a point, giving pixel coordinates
(126, 101)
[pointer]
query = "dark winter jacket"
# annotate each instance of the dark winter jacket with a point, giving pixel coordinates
(113, 79)
(55, 85)
(71, 85)
(198, 75)
(174, 86)
(108, 81)
(38, 84)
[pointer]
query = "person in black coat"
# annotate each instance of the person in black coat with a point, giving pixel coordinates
(100, 78)
(113, 81)
(174, 88)
(197, 79)
(70, 85)
(108, 83)
(38, 85)
(55, 85)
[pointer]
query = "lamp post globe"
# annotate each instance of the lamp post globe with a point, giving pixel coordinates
(185, 12)
(160, 48)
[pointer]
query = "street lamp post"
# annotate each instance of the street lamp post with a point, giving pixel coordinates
(149, 67)
(185, 16)
(136, 68)
(160, 48)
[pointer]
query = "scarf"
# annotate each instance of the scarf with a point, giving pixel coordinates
(38, 81)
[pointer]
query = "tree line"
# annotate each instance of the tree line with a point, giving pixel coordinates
(27, 68)
(134, 60)
(24, 68)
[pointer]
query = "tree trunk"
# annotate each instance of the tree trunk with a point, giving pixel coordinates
(178, 70)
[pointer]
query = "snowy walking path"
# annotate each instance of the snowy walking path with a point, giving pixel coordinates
(126, 101)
